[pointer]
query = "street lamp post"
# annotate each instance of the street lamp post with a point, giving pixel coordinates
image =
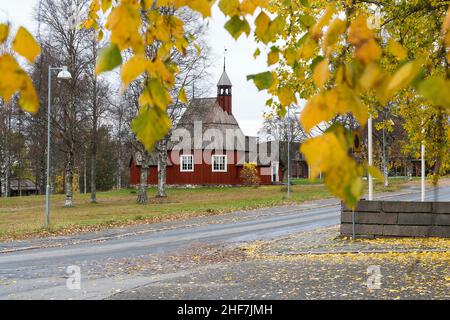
(289, 154)
(369, 138)
(422, 168)
(422, 165)
(290, 139)
(422, 160)
(65, 75)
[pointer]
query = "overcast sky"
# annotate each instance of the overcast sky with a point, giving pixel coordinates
(248, 103)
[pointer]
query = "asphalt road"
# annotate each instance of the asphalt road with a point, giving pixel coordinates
(41, 273)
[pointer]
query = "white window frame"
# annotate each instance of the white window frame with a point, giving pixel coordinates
(275, 172)
(224, 156)
(185, 156)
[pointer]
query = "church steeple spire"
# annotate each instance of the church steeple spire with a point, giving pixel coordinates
(224, 97)
(225, 59)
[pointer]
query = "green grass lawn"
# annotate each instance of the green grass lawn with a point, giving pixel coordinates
(25, 216)
(21, 217)
(302, 181)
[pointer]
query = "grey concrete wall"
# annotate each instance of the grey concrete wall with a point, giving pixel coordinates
(397, 219)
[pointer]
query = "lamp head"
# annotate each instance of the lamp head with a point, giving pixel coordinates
(64, 74)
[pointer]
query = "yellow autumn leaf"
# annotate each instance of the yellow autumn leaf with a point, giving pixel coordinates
(273, 57)
(321, 73)
(262, 23)
(321, 152)
(29, 100)
(316, 30)
(345, 182)
(264, 80)
(13, 79)
(433, 88)
(248, 6)
(375, 172)
(256, 53)
(307, 50)
(324, 106)
(446, 24)
(368, 52)
(201, 6)
(236, 26)
(158, 94)
(336, 29)
(94, 7)
(328, 154)
(124, 22)
(366, 48)
(106, 4)
(317, 110)
(348, 101)
(371, 76)
(359, 32)
(229, 7)
(290, 55)
(25, 45)
(132, 69)
(396, 49)
(91, 21)
(182, 96)
(11, 75)
(403, 77)
(286, 96)
(108, 59)
(150, 126)
(159, 70)
(4, 32)
(100, 36)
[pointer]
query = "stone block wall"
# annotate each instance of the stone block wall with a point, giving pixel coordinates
(397, 219)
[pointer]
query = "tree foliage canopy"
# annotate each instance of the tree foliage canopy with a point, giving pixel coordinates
(346, 56)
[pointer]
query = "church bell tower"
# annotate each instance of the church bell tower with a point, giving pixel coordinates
(224, 97)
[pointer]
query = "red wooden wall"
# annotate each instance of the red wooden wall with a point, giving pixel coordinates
(202, 174)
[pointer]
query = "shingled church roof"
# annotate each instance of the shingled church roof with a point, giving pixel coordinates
(212, 116)
(209, 112)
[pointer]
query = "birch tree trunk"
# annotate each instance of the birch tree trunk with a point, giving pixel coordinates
(94, 173)
(143, 186)
(409, 169)
(68, 183)
(8, 157)
(119, 174)
(385, 160)
(69, 180)
(119, 157)
(162, 169)
(95, 116)
(385, 170)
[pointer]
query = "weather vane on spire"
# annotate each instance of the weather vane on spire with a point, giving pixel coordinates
(224, 58)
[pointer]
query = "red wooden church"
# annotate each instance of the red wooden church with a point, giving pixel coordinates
(211, 161)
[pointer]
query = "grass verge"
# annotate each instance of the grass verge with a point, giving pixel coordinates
(24, 217)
